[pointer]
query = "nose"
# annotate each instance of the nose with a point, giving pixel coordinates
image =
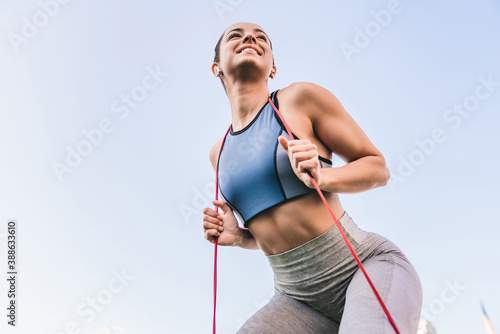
(250, 37)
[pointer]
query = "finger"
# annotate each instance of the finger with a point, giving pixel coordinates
(302, 148)
(303, 156)
(211, 234)
(223, 205)
(213, 220)
(297, 142)
(211, 239)
(211, 226)
(292, 151)
(283, 142)
(210, 212)
(306, 165)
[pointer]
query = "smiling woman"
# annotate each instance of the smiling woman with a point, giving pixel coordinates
(239, 31)
(276, 181)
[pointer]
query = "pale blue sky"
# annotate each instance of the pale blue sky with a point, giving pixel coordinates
(134, 202)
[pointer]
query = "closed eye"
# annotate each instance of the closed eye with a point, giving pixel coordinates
(238, 35)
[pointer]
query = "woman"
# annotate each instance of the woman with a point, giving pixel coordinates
(263, 178)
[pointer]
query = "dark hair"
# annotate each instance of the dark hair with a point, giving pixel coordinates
(217, 49)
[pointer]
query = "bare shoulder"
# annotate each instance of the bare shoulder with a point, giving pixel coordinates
(310, 98)
(214, 151)
(304, 92)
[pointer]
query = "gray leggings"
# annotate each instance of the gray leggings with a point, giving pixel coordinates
(320, 289)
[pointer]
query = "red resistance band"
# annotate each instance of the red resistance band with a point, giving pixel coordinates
(348, 243)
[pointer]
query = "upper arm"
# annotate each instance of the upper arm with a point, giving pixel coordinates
(214, 152)
(332, 124)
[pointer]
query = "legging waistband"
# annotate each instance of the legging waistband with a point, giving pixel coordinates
(329, 237)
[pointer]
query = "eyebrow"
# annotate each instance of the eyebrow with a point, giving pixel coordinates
(241, 30)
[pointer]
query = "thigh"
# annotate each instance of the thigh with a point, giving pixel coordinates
(283, 314)
(397, 283)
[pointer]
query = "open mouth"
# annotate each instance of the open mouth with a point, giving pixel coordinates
(249, 50)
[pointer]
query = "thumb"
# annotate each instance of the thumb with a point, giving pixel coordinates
(284, 142)
(223, 205)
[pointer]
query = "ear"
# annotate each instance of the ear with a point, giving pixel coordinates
(273, 72)
(215, 67)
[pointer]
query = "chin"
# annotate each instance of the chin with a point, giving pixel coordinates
(249, 65)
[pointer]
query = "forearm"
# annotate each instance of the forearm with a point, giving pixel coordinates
(246, 240)
(360, 175)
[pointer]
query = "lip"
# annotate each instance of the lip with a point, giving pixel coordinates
(249, 47)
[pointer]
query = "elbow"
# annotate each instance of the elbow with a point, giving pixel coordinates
(386, 175)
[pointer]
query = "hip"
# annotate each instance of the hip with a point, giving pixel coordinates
(319, 271)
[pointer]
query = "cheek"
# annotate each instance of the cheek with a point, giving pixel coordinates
(269, 55)
(269, 59)
(226, 55)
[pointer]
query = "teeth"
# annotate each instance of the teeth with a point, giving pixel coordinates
(250, 49)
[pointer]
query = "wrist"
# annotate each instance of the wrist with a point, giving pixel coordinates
(241, 238)
(326, 182)
(321, 179)
(238, 240)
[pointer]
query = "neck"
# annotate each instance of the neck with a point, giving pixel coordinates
(246, 99)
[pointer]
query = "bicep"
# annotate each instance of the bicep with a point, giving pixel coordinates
(336, 128)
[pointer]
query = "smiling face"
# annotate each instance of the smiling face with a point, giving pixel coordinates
(244, 50)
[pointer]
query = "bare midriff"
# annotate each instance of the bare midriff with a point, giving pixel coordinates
(294, 222)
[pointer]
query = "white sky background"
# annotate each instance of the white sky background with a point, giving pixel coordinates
(121, 207)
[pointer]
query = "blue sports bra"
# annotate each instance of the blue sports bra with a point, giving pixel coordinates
(254, 170)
